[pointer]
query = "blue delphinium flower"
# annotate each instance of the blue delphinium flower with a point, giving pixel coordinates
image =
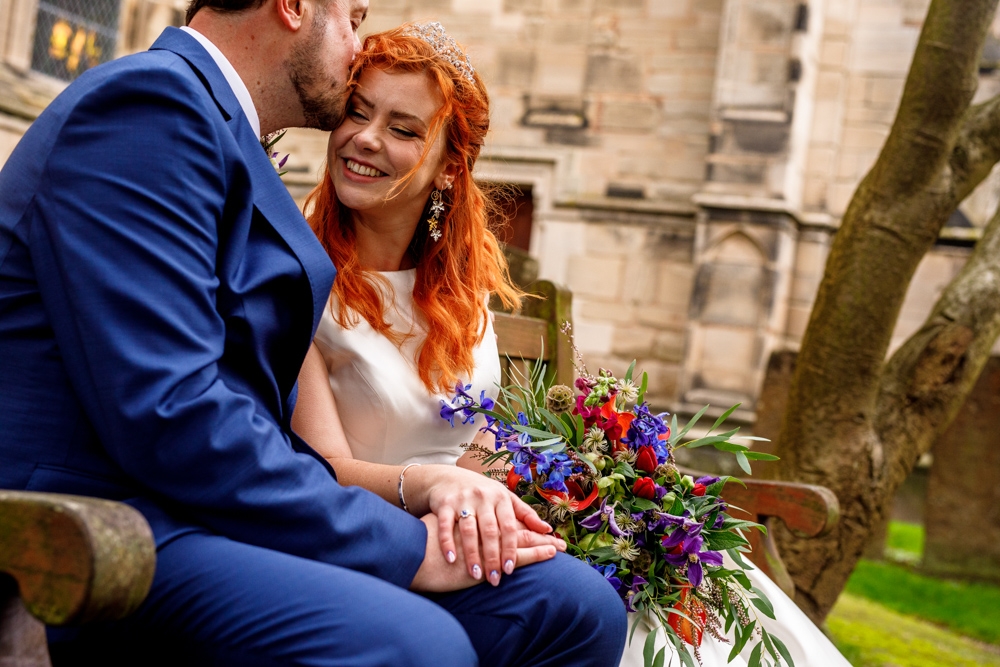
(645, 430)
(608, 572)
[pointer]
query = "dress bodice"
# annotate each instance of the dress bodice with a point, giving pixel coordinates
(387, 413)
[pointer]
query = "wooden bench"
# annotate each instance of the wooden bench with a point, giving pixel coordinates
(67, 559)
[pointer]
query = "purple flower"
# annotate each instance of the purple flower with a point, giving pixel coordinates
(645, 431)
(707, 480)
(448, 413)
(605, 513)
(692, 554)
(608, 571)
(637, 583)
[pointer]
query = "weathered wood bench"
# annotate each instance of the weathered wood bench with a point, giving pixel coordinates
(67, 559)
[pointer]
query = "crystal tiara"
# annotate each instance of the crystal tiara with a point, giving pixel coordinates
(433, 33)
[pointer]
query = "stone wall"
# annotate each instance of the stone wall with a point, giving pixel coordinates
(963, 494)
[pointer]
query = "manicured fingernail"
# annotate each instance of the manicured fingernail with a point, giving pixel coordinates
(477, 572)
(494, 577)
(450, 556)
(508, 566)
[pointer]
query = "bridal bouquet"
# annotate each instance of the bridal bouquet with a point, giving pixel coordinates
(598, 464)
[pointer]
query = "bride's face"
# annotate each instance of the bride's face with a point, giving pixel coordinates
(381, 140)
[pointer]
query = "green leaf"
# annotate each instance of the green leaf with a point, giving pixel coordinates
(556, 422)
(624, 468)
(754, 660)
(743, 635)
(534, 432)
(741, 458)
(712, 439)
(661, 655)
(648, 649)
(762, 603)
(628, 373)
(724, 540)
(642, 389)
(580, 429)
(643, 504)
(783, 650)
(723, 417)
(602, 554)
(760, 456)
(731, 447)
(674, 433)
(692, 421)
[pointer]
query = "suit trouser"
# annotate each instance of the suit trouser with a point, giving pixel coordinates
(219, 602)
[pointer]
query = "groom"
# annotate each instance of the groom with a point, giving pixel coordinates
(158, 291)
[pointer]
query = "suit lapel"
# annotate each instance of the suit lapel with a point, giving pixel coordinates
(270, 196)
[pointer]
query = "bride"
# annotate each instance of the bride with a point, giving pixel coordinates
(405, 223)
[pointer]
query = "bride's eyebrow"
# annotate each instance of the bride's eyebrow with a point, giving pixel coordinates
(398, 115)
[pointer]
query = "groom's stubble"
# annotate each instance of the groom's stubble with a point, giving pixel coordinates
(323, 103)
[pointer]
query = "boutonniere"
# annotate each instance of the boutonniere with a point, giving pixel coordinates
(268, 143)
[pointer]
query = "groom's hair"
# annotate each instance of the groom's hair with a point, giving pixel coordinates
(221, 6)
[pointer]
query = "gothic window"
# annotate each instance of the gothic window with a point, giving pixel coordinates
(71, 36)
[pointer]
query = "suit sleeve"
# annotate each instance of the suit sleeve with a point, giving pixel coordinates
(125, 235)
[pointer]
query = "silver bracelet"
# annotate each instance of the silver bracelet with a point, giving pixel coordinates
(399, 489)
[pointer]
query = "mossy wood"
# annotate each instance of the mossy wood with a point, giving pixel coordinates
(66, 559)
(535, 333)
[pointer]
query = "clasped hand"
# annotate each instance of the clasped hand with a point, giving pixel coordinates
(498, 532)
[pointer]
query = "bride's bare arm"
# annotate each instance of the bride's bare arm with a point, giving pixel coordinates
(497, 515)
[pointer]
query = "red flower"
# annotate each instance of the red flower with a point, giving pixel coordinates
(513, 479)
(646, 460)
(698, 490)
(644, 487)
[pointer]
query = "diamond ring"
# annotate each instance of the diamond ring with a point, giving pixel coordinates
(465, 514)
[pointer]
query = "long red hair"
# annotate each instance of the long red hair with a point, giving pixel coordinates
(453, 275)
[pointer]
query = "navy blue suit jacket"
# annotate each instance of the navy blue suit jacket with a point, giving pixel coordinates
(158, 292)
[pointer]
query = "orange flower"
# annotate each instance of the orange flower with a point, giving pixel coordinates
(685, 629)
(575, 500)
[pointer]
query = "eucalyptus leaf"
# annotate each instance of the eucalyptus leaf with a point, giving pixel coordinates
(534, 432)
(711, 439)
(741, 459)
(628, 373)
(743, 635)
(642, 389)
(661, 655)
(723, 417)
(783, 650)
(691, 422)
(762, 603)
(760, 456)
(649, 649)
(754, 660)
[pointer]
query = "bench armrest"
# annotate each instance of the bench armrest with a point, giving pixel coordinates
(75, 559)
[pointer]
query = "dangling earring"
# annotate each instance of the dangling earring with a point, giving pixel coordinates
(437, 208)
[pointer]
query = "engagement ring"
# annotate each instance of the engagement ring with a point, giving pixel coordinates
(465, 514)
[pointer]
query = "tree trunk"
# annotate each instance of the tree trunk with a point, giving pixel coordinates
(854, 423)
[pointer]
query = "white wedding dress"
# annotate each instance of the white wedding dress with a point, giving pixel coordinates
(389, 417)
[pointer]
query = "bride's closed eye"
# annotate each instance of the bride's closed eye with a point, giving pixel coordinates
(404, 132)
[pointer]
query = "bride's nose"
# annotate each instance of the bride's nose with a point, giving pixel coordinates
(368, 139)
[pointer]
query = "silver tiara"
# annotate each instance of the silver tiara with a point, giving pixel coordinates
(433, 33)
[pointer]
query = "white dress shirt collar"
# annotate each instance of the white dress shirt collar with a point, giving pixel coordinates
(232, 78)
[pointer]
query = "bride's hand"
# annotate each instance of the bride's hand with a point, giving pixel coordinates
(436, 575)
(488, 516)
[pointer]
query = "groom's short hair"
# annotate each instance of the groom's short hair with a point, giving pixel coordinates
(221, 6)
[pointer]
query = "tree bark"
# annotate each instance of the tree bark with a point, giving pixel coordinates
(850, 419)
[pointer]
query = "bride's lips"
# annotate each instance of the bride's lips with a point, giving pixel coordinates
(359, 171)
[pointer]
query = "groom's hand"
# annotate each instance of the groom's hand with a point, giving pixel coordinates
(437, 575)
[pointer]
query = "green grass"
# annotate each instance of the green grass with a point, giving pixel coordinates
(971, 609)
(869, 635)
(905, 542)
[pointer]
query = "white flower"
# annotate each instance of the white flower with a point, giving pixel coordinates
(627, 393)
(595, 441)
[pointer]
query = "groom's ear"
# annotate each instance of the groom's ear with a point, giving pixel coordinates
(290, 13)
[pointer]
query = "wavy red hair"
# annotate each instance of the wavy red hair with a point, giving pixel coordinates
(453, 275)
